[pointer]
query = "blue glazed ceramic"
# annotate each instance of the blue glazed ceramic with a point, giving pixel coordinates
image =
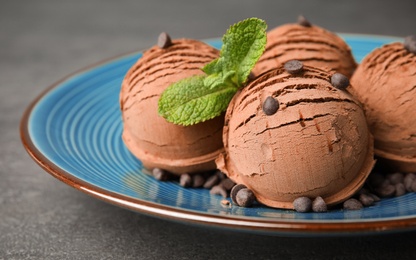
(74, 129)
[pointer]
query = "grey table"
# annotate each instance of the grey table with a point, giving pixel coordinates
(43, 41)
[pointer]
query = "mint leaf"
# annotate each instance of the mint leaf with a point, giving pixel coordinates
(243, 44)
(200, 98)
(189, 101)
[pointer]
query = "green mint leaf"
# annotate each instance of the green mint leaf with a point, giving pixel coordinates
(215, 80)
(243, 44)
(189, 101)
(200, 98)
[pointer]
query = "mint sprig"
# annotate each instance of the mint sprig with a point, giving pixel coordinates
(200, 98)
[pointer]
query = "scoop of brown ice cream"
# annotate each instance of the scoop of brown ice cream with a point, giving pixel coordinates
(152, 139)
(385, 82)
(314, 142)
(312, 45)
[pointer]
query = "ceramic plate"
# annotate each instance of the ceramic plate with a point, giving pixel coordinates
(73, 130)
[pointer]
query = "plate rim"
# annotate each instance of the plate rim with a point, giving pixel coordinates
(267, 225)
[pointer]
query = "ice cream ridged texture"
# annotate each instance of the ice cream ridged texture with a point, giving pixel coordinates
(156, 142)
(385, 82)
(313, 46)
(316, 144)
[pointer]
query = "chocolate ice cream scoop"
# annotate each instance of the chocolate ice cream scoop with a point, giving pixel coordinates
(295, 135)
(385, 82)
(152, 139)
(310, 44)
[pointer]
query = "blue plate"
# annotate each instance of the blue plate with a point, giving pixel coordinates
(73, 130)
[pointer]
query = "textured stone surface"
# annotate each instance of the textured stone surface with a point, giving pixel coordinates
(43, 41)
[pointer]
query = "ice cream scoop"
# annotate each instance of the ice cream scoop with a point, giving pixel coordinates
(385, 82)
(152, 139)
(290, 133)
(310, 44)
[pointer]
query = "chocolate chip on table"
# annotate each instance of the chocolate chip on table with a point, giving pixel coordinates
(410, 43)
(219, 190)
(234, 191)
(340, 81)
(303, 21)
(270, 106)
(245, 197)
(352, 204)
(211, 181)
(160, 174)
(319, 205)
(164, 40)
(197, 180)
(366, 199)
(293, 67)
(185, 180)
(302, 204)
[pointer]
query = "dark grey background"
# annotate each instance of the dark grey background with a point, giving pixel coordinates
(43, 41)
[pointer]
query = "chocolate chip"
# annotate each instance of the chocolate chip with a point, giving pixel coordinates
(219, 190)
(302, 204)
(220, 175)
(211, 181)
(270, 106)
(352, 204)
(293, 67)
(385, 191)
(410, 43)
(185, 180)
(234, 192)
(227, 183)
(374, 196)
(303, 21)
(408, 181)
(396, 177)
(197, 180)
(366, 199)
(340, 81)
(319, 205)
(164, 40)
(413, 187)
(400, 189)
(245, 198)
(160, 174)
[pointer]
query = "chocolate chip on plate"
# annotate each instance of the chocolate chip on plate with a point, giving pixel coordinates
(270, 106)
(319, 205)
(234, 191)
(340, 81)
(185, 180)
(302, 204)
(164, 40)
(211, 181)
(197, 180)
(293, 67)
(160, 174)
(303, 21)
(352, 204)
(410, 43)
(245, 198)
(219, 190)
